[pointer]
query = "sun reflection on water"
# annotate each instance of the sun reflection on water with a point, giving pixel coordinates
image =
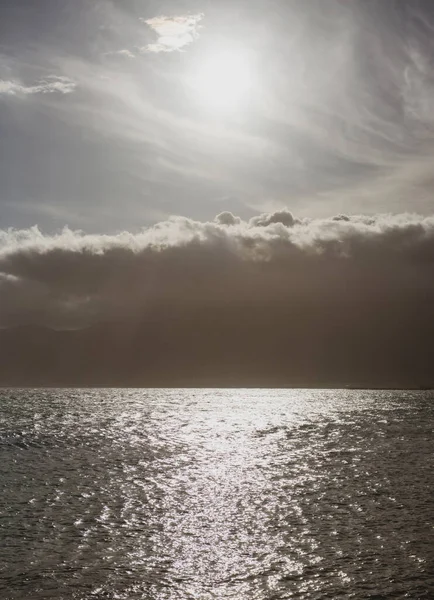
(248, 495)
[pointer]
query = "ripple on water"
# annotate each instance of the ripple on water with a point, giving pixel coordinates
(243, 494)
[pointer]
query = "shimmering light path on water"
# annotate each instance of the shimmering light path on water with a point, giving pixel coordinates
(215, 494)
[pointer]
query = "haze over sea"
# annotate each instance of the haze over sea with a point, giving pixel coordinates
(215, 494)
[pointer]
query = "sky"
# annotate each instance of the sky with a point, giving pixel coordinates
(112, 114)
(247, 180)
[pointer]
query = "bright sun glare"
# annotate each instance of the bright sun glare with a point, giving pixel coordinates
(222, 81)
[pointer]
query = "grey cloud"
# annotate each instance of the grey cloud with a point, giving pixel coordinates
(227, 218)
(333, 301)
(282, 216)
(73, 276)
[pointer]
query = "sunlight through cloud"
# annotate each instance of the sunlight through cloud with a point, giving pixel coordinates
(222, 80)
(173, 32)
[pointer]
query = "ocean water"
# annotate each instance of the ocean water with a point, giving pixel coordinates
(216, 494)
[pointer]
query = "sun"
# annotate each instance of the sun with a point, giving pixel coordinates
(222, 80)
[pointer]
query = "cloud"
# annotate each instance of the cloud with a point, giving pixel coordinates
(274, 300)
(49, 85)
(349, 129)
(173, 33)
(282, 216)
(227, 218)
(124, 53)
(120, 273)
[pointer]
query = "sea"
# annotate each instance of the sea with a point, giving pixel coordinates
(201, 494)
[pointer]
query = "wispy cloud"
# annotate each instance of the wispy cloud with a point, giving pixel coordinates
(49, 85)
(124, 53)
(340, 114)
(173, 33)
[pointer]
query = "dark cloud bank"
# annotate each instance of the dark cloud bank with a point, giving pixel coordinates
(275, 301)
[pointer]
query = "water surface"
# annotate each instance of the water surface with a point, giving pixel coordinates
(216, 494)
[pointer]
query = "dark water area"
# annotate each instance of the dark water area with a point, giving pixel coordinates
(216, 494)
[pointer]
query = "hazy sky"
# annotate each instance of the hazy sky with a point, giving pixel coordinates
(117, 114)
(295, 139)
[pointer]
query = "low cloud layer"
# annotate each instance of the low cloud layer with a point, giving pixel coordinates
(349, 298)
(72, 279)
